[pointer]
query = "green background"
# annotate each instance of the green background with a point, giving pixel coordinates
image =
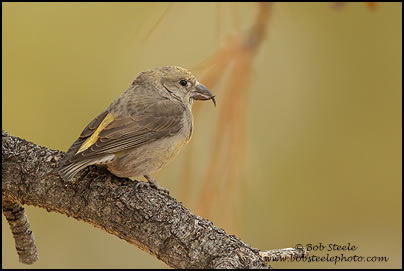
(323, 161)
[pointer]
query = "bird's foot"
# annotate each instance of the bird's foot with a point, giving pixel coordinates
(153, 183)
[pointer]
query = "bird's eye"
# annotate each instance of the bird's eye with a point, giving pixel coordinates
(183, 82)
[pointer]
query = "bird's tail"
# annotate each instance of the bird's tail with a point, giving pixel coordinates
(69, 170)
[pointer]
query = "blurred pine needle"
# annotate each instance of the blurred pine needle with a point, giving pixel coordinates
(158, 22)
(226, 158)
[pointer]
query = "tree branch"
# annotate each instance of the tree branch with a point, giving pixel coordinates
(19, 225)
(153, 221)
(283, 254)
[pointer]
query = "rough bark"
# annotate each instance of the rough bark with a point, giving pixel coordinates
(19, 225)
(153, 221)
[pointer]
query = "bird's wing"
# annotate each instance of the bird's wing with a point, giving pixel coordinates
(87, 132)
(157, 120)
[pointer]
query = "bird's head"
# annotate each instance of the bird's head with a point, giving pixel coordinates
(180, 84)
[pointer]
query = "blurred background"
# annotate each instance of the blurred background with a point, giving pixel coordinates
(304, 146)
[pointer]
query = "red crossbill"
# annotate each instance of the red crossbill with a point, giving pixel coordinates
(143, 129)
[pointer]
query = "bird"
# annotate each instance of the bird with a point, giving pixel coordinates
(141, 130)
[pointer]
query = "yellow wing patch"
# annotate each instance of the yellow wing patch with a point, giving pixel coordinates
(94, 137)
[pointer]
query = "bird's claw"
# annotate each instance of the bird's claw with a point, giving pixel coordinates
(152, 183)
